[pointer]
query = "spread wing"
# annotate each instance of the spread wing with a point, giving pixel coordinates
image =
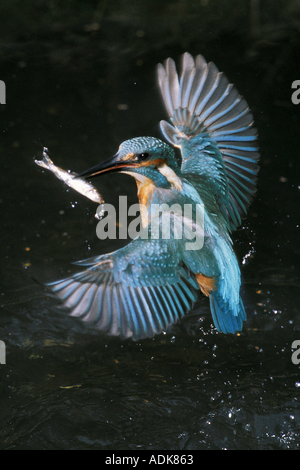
(213, 127)
(136, 291)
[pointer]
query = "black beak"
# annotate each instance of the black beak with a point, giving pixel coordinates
(108, 166)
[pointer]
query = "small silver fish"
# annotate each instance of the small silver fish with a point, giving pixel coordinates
(80, 185)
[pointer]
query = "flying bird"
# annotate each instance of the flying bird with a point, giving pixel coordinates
(151, 283)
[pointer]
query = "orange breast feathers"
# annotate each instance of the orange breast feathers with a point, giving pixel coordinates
(146, 186)
(206, 284)
(145, 192)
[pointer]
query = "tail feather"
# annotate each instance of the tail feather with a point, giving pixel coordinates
(225, 319)
(226, 305)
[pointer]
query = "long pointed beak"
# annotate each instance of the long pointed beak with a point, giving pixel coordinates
(108, 166)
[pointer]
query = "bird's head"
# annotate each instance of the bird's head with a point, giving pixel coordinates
(142, 157)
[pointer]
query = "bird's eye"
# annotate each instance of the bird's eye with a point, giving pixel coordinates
(143, 156)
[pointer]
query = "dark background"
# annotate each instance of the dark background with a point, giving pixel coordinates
(80, 79)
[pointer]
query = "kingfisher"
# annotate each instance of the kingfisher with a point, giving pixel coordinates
(152, 282)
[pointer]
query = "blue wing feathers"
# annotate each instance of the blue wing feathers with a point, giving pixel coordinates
(119, 302)
(209, 108)
(112, 295)
(141, 289)
(171, 316)
(175, 301)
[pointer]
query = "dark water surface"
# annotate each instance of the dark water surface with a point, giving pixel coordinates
(66, 385)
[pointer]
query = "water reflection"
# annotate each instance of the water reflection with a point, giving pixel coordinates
(67, 386)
